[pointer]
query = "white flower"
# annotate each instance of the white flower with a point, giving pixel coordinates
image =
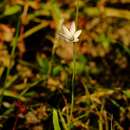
(69, 35)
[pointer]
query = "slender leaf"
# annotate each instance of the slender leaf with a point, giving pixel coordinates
(56, 120)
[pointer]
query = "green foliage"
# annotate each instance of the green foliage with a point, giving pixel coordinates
(43, 64)
(39, 77)
(56, 120)
(104, 40)
(56, 13)
(79, 67)
(12, 10)
(127, 93)
(56, 70)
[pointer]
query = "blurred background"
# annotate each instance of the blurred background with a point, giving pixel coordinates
(36, 67)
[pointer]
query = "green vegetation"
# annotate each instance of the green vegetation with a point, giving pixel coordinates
(47, 83)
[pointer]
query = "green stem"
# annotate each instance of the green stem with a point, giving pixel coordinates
(73, 81)
(74, 63)
(35, 29)
(51, 61)
(14, 44)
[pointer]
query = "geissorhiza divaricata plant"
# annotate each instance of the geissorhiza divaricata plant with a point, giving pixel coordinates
(69, 35)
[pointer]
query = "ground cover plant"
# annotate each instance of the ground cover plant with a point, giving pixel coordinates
(64, 65)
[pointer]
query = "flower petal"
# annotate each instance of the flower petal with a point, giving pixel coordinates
(63, 37)
(77, 33)
(72, 28)
(65, 30)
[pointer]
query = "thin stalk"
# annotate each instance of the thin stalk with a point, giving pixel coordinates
(74, 63)
(63, 121)
(14, 44)
(111, 125)
(73, 81)
(51, 61)
(100, 122)
(101, 117)
(34, 30)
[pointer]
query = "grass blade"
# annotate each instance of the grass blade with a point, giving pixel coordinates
(56, 120)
